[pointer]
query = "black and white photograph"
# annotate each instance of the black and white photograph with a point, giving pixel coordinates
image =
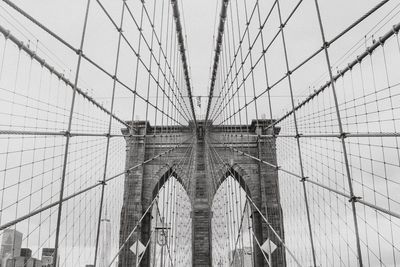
(180, 133)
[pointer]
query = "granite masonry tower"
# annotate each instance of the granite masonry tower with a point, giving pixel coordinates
(260, 181)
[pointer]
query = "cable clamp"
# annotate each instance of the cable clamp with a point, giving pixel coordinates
(343, 135)
(67, 133)
(326, 44)
(304, 179)
(396, 31)
(354, 199)
(277, 168)
(20, 45)
(381, 41)
(298, 135)
(7, 34)
(289, 72)
(79, 52)
(102, 182)
(350, 68)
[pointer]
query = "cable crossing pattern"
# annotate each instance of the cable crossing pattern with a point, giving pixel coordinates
(106, 159)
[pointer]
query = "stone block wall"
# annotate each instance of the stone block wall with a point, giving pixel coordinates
(259, 180)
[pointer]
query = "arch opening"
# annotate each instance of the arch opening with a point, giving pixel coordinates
(171, 224)
(232, 227)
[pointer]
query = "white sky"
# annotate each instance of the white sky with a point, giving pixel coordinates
(375, 161)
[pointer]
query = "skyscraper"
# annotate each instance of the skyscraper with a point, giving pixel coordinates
(26, 252)
(104, 253)
(11, 244)
(47, 257)
(23, 262)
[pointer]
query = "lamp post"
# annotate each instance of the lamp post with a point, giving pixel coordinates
(162, 238)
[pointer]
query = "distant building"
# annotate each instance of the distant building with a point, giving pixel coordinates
(48, 257)
(32, 262)
(104, 255)
(26, 252)
(14, 262)
(11, 244)
(242, 255)
(23, 262)
(12, 255)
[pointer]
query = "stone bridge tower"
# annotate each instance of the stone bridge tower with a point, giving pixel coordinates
(258, 180)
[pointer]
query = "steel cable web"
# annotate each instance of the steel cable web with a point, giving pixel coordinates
(54, 123)
(182, 50)
(295, 164)
(328, 137)
(221, 28)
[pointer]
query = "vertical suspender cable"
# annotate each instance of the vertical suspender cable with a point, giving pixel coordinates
(221, 29)
(68, 136)
(181, 44)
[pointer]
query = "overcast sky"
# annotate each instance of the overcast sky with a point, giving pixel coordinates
(29, 101)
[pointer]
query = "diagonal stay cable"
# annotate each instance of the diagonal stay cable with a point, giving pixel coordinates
(358, 60)
(147, 209)
(162, 222)
(112, 21)
(221, 29)
(182, 50)
(259, 211)
(309, 58)
(163, 53)
(158, 40)
(279, 168)
(52, 70)
(338, 36)
(239, 49)
(77, 51)
(11, 223)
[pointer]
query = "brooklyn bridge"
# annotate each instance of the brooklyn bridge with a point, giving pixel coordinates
(243, 133)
